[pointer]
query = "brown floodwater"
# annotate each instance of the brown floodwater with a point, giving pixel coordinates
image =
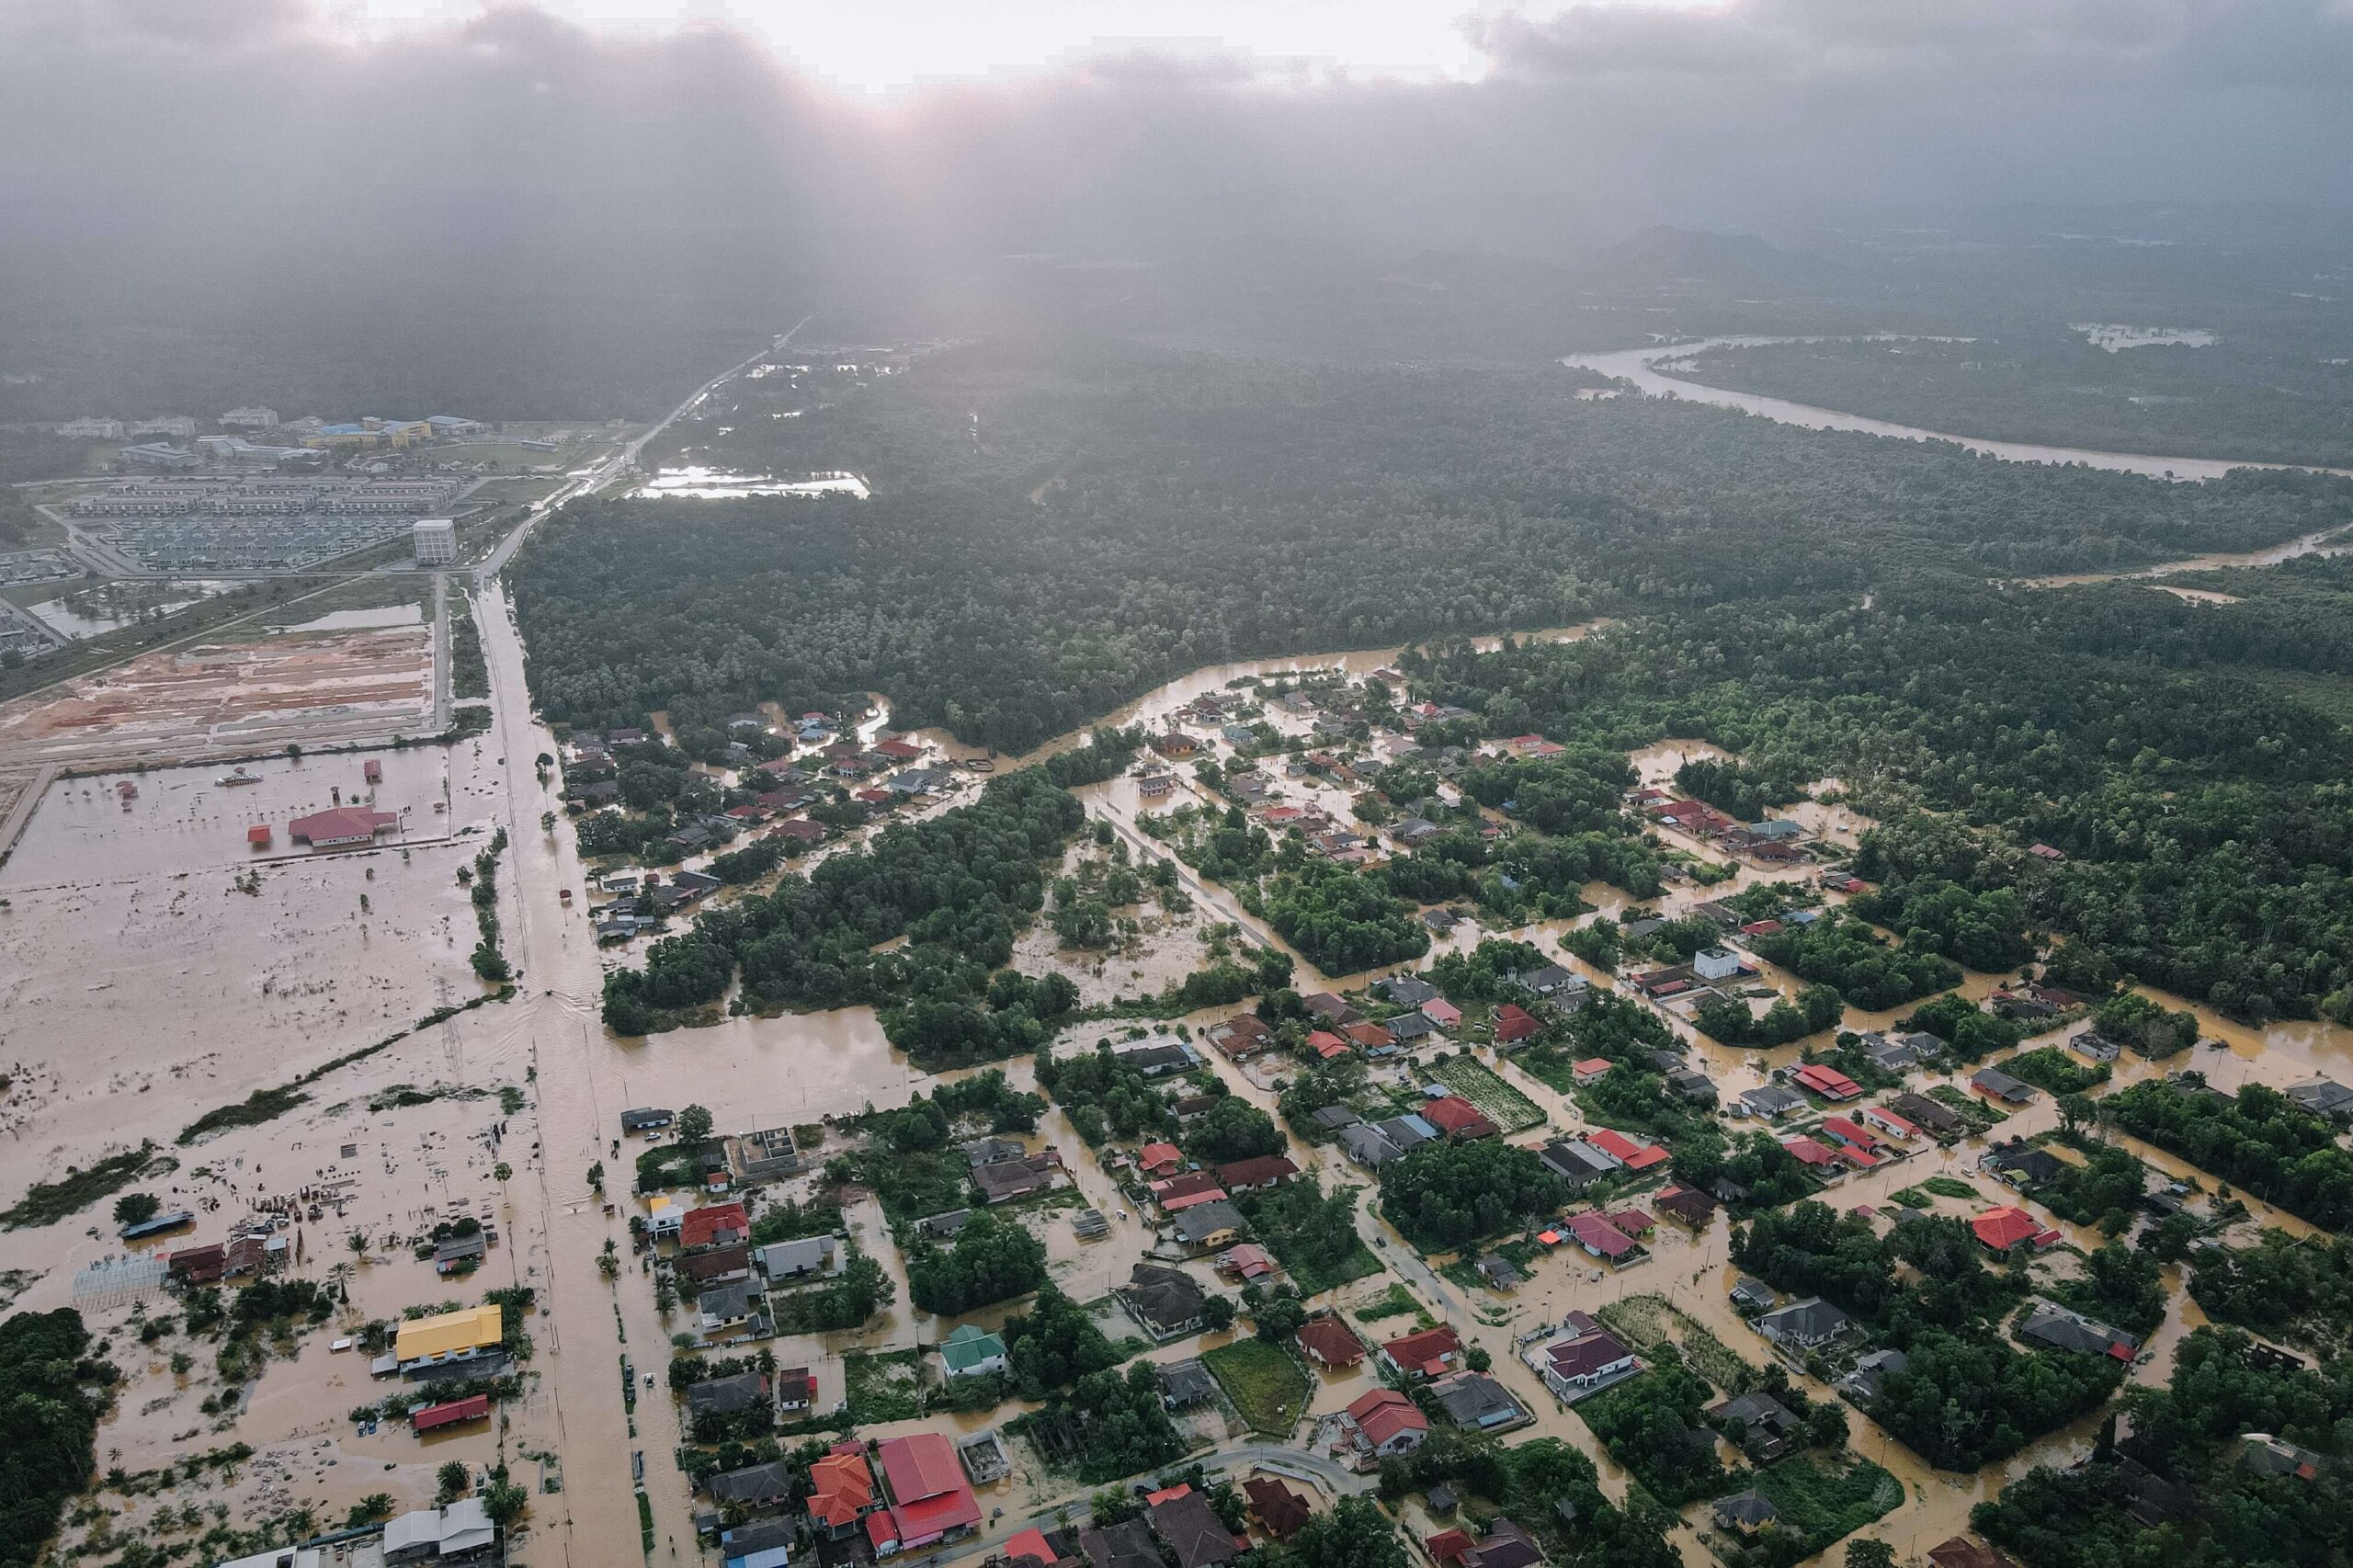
(347, 978)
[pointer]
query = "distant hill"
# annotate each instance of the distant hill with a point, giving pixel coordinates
(1663, 255)
(1478, 272)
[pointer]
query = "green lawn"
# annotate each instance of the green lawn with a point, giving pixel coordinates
(1821, 1505)
(1266, 1385)
(1950, 1186)
(1498, 1101)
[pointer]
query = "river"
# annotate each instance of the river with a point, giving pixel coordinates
(1641, 366)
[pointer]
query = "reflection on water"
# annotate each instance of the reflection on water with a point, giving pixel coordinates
(698, 484)
(109, 607)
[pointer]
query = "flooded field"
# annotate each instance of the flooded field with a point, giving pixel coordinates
(2115, 338)
(696, 483)
(109, 607)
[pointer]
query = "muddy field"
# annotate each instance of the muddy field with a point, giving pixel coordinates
(230, 698)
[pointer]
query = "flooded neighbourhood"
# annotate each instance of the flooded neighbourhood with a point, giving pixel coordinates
(149, 983)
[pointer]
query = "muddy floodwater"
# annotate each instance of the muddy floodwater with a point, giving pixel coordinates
(142, 985)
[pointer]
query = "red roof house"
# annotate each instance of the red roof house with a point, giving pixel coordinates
(1457, 1118)
(842, 1488)
(1430, 1352)
(1633, 1221)
(1591, 1069)
(1515, 1023)
(1160, 1159)
(1259, 1171)
(1441, 1012)
(1447, 1547)
(1328, 1343)
(1600, 1237)
(1391, 1423)
(717, 1224)
(1999, 1230)
(1827, 1082)
(1327, 1045)
(1030, 1543)
(1624, 1150)
(1372, 1036)
(1812, 1152)
(929, 1497)
(1173, 1191)
(257, 835)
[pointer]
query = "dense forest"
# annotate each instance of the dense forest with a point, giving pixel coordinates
(2201, 816)
(2216, 401)
(957, 886)
(1967, 1394)
(1188, 509)
(2191, 1434)
(52, 1394)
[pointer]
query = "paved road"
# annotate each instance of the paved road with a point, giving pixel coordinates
(622, 460)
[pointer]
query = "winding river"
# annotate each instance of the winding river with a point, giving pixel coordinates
(1641, 368)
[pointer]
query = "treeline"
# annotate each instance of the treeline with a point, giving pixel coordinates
(2192, 1437)
(957, 886)
(1204, 509)
(1968, 1395)
(2207, 846)
(2260, 1141)
(53, 1394)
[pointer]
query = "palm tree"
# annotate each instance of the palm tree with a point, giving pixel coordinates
(358, 1242)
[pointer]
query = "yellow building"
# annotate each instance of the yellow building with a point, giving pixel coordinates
(449, 1336)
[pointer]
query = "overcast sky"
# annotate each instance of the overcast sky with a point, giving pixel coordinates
(238, 144)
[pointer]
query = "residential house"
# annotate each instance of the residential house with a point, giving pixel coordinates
(1763, 1426)
(1430, 1353)
(717, 1224)
(1771, 1101)
(1368, 1145)
(1177, 1193)
(1166, 1302)
(1507, 1546)
(1205, 1227)
(1184, 1384)
(930, 1500)
(1827, 1082)
(1001, 1181)
(1576, 1162)
(1601, 1239)
(2000, 1230)
(1744, 1512)
(1686, 1205)
(1633, 1157)
(2323, 1096)
(1591, 1357)
(841, 1492)
(1243, 1262)
(1193, 1531)
(803, 1258)
(1514, 1024)
(2049, 1323)
(1476, 1401)
(1280, 1511)
(1887, 1121)
(1753, 1293)
(1994, 1083)
(1457, 1119)
(972, 1352)
(1127, 1544)
(1160, 1159)
(1406, 989)
(1941, 1121)
(1802, 1325)
(1382, 1423)
(1256, 1173)
(728, 1395)
(717, 1265)
(1242, 1037)
(753, 1486)
(1329, 1343)
(2020, 1164)
(456, 1532)
(1870, 1374)
(1962, 1552)
(723, 1309)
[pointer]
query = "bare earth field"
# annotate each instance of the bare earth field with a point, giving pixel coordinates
(223, 699)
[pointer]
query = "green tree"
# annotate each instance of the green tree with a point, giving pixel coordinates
(454, 1479)
(694, 1127)
(137, 1208)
